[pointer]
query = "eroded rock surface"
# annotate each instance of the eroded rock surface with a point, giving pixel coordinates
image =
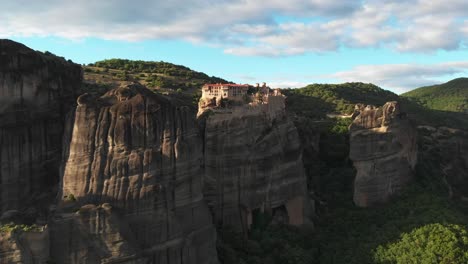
(383, 148)
(36, 91)
(95, 234)
(444, 153)
(253, 162)
(29, 247)
(141, 153)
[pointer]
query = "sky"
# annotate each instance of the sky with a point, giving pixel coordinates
(398, 45)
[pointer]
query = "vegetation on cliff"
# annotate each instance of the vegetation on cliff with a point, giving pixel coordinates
(11, 228)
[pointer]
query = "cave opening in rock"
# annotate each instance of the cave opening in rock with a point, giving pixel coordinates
(280, 215)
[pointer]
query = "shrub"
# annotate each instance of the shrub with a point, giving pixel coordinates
(432, 243)
(70, 198)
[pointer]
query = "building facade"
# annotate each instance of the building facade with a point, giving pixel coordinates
(224, 90)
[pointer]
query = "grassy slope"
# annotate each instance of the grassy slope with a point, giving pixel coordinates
(450, 96)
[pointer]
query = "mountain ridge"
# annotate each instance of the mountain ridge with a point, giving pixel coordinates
(451, 96)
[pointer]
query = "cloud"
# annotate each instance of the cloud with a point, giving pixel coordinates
(291, 39)
(249, 27)
(401, 77)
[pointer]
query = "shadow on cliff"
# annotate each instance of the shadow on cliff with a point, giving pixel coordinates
(436, 118)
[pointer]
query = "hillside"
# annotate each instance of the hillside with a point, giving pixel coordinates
(450, 96)
(317, 100)
(162, 76)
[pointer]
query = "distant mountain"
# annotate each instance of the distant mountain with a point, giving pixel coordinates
(450, 96)
(162, 76)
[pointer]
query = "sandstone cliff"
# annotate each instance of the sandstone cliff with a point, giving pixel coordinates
(35, 94)
(384, 152)
(141, 153)
(253, 162)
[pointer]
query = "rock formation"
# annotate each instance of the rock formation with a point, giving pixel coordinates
(253, 162)
(129, 169)
(384, 152)
(35, 94)
(140, 153)
(24, 247)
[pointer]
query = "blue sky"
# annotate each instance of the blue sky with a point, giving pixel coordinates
(398, 45)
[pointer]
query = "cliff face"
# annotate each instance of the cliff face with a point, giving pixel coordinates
(444, 152)
(253, 162)
(141, 153)
(35, 94)
(384, 152)
(95, 234)
(24, 247)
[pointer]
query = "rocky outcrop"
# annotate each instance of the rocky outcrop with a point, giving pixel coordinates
(384, 152)
(36, 91)
(27, 247)
(253, 163)
(94, 234)
(140, 153)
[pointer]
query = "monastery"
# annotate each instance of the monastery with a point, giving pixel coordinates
(226, 90)
(222, 97)
(237, 92)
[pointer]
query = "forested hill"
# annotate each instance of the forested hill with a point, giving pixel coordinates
(317, 100)
(155, 75)
(450, 96)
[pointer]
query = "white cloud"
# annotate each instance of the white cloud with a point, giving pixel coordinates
(249, 27)
(401, 77)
